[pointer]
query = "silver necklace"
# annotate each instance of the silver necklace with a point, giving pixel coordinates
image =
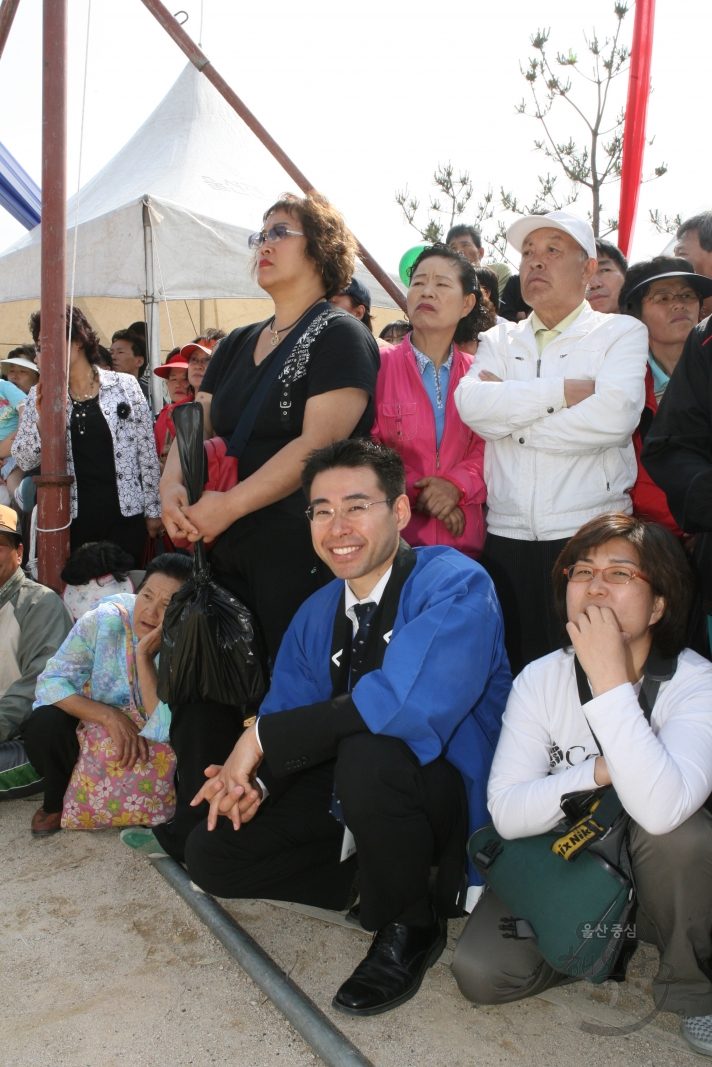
(275, 333)
(87, 396)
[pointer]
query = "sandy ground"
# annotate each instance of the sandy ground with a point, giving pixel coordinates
(102, 963)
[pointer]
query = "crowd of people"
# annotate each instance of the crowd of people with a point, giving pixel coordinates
(478, 554)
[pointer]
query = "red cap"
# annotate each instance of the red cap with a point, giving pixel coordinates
(176, 362)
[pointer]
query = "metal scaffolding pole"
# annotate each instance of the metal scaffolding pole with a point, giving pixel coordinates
(53, 508)
(203, 64)
(152, 301)
(8, 10)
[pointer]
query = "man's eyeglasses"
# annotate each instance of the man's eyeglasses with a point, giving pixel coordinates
(664, 296)
(320, 513)
(275, 233)
(581, 572)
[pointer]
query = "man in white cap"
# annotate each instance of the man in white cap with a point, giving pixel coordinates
(557, 398)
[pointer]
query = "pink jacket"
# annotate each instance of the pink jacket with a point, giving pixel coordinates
(405, 421)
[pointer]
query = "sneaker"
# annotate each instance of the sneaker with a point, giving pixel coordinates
(141, 839)
(697, 1031)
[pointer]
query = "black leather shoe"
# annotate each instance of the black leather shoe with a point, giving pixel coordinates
(393, 969)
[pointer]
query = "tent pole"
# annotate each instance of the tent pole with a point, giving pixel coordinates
(153, 321)
(53, 502)
(203, 64)
(8, 11)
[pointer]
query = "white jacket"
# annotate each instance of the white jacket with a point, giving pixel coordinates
(662, 772)
(548, 468)
(135, 459)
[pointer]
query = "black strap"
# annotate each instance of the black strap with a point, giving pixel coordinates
(657, 669)
(379, 631)
(242, 431)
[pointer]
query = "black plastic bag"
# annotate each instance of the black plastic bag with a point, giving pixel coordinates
(210, 649)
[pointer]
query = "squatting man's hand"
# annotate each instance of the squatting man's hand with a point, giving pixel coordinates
(231, 789)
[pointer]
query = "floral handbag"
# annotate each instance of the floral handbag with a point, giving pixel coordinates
(100, 792)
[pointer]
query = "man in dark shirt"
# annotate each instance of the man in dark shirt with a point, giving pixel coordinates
(677, 453)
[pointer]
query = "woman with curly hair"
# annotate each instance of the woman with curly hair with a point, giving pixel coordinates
(303, 256)
(415, 403)
(322, 393)
(110, 447)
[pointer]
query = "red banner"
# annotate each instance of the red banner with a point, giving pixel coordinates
(635, 116)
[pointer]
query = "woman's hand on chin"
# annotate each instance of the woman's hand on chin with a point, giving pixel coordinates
(210, 516)
(600, 645)
(150, 643)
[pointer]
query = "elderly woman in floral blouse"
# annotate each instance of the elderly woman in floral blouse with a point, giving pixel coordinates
(97, 729)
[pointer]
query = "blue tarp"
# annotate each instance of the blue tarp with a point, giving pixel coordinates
(18, 193)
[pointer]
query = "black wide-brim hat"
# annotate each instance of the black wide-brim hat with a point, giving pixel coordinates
(699, 282)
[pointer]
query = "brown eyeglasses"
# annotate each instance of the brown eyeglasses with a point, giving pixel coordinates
(581, 572)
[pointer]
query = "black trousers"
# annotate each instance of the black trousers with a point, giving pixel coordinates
(521, 572)
(52, 745)
(405, 818)
(268, 561)
(94, 523)
(201, 734)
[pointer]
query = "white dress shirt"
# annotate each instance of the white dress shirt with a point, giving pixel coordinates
(374, 597)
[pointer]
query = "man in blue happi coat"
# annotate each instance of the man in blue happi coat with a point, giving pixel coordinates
(383, 716)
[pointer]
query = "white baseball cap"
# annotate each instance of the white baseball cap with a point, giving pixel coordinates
(579, 229)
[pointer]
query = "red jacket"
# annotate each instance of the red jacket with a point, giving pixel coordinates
(649, 501)
(405, 421)
(164, 426)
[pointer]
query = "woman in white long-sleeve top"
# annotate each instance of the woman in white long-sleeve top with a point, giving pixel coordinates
(623, 589)
(110, 447)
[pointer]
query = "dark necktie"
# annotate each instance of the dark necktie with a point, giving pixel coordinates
(364, 614)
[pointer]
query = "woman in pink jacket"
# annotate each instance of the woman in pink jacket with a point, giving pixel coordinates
(415, 406)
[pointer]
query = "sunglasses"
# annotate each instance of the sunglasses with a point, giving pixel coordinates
(275, 233)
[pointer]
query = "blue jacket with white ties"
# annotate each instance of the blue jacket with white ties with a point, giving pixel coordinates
(445, 678)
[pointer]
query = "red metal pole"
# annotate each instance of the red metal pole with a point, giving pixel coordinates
(7, 14)
(203, 64)
(641, 55)
(53, 515)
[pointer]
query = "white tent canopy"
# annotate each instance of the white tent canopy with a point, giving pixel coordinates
(208, 180)
(169, 216)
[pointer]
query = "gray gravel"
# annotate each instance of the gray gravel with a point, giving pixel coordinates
(101, 963)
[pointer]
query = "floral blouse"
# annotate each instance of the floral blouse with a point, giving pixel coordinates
(125, 409)
(92, 660)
